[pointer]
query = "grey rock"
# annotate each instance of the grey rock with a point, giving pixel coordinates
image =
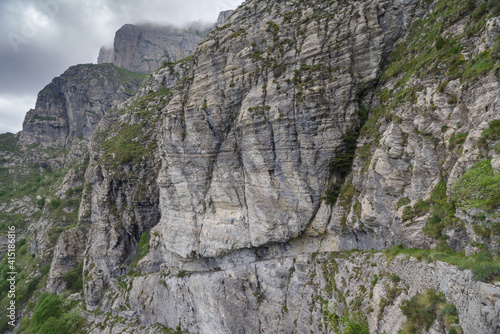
(70, 107)
(144, 48)
(223, 16)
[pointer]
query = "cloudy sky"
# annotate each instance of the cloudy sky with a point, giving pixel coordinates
(40, 39)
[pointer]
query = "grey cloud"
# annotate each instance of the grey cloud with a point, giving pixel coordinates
(55, 34)
(12, 111)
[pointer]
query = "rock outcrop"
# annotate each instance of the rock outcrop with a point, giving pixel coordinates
(144, 48)
(296, 294)
(223, 16)
(71, 106)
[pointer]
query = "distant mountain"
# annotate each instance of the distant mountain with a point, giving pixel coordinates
(144, 48)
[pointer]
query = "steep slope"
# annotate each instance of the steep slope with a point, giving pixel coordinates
(42, 170)
(70, 107)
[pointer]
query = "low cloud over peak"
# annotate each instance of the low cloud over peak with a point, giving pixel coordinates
(39, 39)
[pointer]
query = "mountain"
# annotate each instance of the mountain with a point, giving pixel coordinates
(144, 48)
(314, 166)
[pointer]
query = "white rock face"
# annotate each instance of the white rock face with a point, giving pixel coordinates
(246, 156)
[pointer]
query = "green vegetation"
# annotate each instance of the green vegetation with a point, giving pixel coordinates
(74, 279)
(127, 75)
(8, 143)
(53, 316)
(419, 209)
(142, 250)
(131, 142)
(485, 265)
(348, 323)
(402, 202)
(441, 208)
(341, 166)
(490, 134)
(124, 147)
(426, 51)
(43, 118)
(33, 184)
(352, 320)
(26, 282)
(25, 182)
(458, 139)
(181, 61)
(443, 212)
(347, 193)
(478, 188)
(423, 309)
(143, 246)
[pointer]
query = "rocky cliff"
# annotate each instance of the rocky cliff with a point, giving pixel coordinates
(144, 48)
(223, 17)
(70, 107)
(314, 167)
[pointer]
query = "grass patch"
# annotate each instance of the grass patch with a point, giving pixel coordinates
(458, 139)
(347, 323)
(402, 202)
(443, 212)
(485, 265)
(427, 52)
(142, 248)
(9, 143)
(131, 142)
(419, 209)
(478, 188)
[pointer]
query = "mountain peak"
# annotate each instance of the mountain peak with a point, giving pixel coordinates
(143, 48)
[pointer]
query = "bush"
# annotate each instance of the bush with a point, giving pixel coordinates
(423, 309)
(458, 139)
(348, 323)
(395, 278)
(40, 203)
(55, 204)
(49, 305)
(440, 43)
(490, 134)
(421, 207)
(402, 202)
(478, 188)
(50, 317)
(74, 279)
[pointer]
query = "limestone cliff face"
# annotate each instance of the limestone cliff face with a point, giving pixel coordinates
(225, 195)
(71, 106)
(144, 48)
